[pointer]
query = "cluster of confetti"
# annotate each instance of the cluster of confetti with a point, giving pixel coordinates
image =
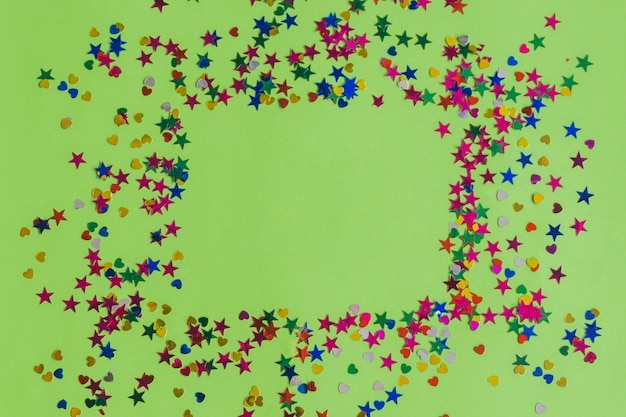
(501, 106)
(356, 6)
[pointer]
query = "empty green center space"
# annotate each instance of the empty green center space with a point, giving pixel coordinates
(314, 209)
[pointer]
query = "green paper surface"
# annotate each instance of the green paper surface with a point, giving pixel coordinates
(310, 208)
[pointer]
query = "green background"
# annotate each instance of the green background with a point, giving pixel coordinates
(310, 208)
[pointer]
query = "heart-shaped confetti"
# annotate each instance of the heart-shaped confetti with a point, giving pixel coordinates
(543, 161)
(590, 357)
(253, 65)
(66, 123)
(433, 72)
(531, 227)
(295, 381)
(480, 349)
(378, 386)
(115, 71)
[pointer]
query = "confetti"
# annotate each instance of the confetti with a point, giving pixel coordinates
(482, 97)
